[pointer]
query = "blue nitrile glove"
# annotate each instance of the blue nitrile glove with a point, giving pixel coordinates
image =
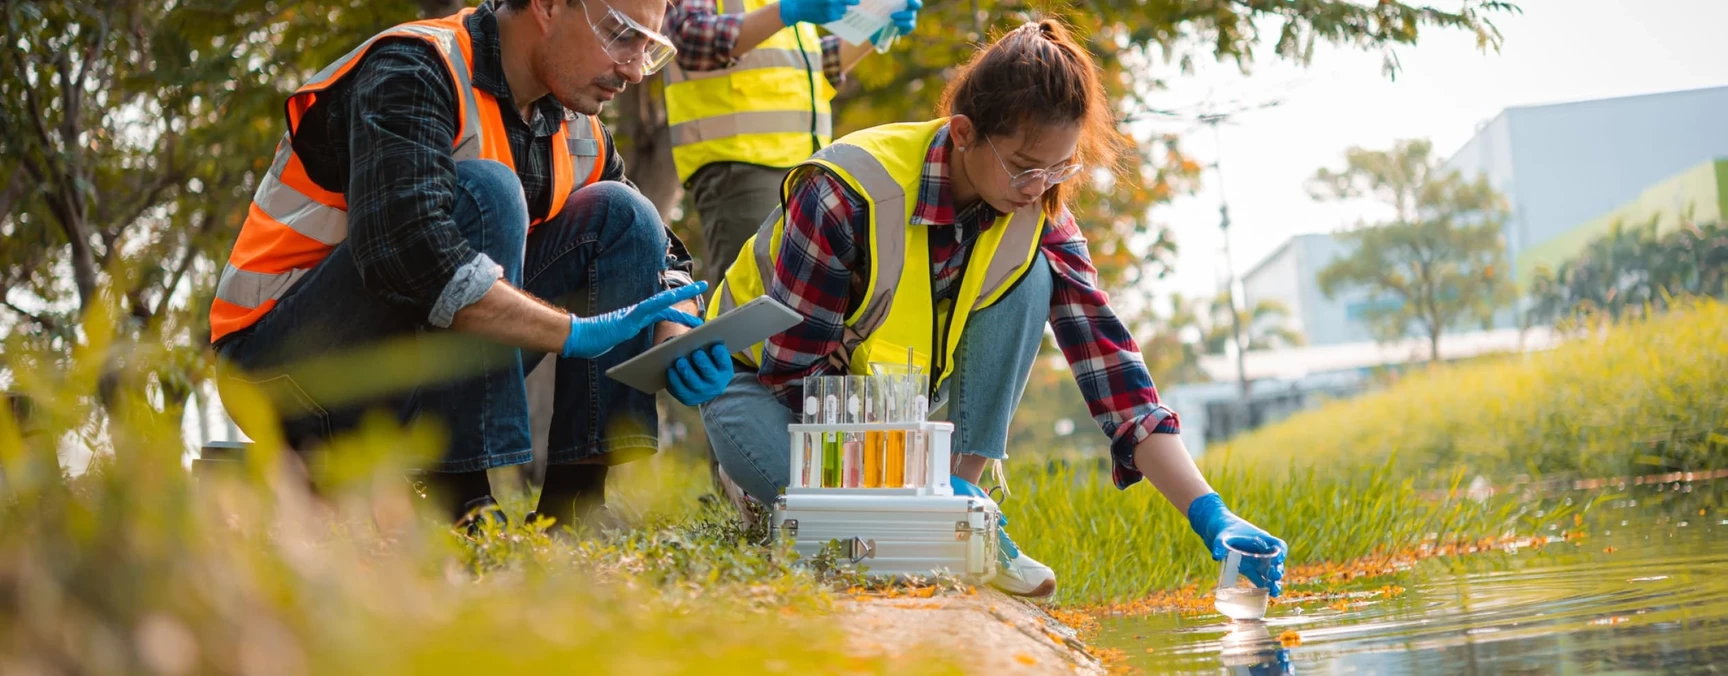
(813, 11)
(1216, 525)
(902, 22)
(907, 19)
(700, 377)
(591, 337)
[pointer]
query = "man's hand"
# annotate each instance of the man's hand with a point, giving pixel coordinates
(591, 337)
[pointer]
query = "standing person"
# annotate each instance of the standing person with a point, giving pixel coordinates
(952, 238)
(449, 178)
(748, 98)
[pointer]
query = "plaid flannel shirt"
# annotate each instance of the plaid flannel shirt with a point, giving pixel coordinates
(705, 37)
(383, 135)
(826, 233)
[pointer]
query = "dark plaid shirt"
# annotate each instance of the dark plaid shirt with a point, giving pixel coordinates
(826, 241)
(383, 136)
(705, 38)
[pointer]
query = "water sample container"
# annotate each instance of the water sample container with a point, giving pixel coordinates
(1238, 601)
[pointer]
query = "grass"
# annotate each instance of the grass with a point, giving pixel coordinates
(1371, 476)
(1642, 397)
(134, 568)
(1115, 546)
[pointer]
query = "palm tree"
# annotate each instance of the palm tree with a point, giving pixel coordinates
(1264, 325)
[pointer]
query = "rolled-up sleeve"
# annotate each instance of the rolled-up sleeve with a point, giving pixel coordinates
(402, 182)
(1103, 356)
(704, 37)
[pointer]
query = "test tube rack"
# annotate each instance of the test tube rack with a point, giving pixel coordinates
(933, 469)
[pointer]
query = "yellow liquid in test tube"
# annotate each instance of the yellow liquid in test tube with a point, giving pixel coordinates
(895, 477)
(873, 460)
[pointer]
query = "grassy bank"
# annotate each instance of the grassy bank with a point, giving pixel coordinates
(1637, 398)
(132, 567)
(1357, 477)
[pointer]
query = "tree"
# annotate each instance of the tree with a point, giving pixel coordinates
(1633, 268)
(1263, 325)
(1128, 38)
(135, 133)
(1438, 262)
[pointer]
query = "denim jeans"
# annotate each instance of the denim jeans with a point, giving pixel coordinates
(604, 251)
(747, 424)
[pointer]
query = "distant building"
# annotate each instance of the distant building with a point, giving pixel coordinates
(1290, 276)
(1568, 170)
(1563, 164)
(1700, 193)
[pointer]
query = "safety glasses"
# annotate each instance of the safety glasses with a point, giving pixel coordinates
(1026, 178)
(627, 41)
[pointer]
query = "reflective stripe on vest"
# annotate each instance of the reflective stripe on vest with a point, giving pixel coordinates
(770, 107)
(293, 224)
(884, 165)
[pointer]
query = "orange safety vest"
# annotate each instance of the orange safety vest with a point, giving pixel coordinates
(293, 224)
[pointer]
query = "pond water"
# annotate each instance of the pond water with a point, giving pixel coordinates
(1647, 590)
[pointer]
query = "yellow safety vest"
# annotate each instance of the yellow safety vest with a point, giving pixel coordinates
(885, 165)
(770, 108)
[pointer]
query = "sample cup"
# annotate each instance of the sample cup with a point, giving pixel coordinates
(885, 38)
(1240, 602)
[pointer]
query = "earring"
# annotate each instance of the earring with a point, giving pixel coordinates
(962, 148)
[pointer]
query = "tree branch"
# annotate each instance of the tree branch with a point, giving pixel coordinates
(186, 259)
(44, 322)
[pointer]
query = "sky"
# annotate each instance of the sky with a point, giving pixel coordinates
(1555, 51)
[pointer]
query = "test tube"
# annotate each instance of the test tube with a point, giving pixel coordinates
(832, 389)
(894, 444)
(854, 441)
(810, 444)
(917, 386)
(874, 470)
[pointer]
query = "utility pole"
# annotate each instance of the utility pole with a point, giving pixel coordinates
(1230, 291)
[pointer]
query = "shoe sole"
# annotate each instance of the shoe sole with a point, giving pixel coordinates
(1044, 589)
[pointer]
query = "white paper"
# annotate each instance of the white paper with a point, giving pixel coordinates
(864, 19)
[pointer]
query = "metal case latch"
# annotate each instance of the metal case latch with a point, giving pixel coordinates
(859, 549)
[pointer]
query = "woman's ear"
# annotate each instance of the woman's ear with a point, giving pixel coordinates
(961, 130)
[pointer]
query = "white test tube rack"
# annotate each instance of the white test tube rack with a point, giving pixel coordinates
(936, 435)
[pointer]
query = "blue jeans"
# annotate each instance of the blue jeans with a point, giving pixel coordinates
(605, 250)
(747, 424)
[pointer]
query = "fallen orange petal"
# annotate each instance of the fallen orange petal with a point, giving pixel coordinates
(1025, 659)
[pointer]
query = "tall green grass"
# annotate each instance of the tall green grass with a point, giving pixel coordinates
(1109, 545)
(1371, 474)
(1640, 397)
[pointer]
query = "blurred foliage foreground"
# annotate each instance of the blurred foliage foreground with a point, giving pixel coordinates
(135, 566)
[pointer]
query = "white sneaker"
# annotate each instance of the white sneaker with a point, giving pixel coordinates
(1023, 576)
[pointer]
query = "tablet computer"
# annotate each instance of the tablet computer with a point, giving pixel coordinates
(743, 326)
